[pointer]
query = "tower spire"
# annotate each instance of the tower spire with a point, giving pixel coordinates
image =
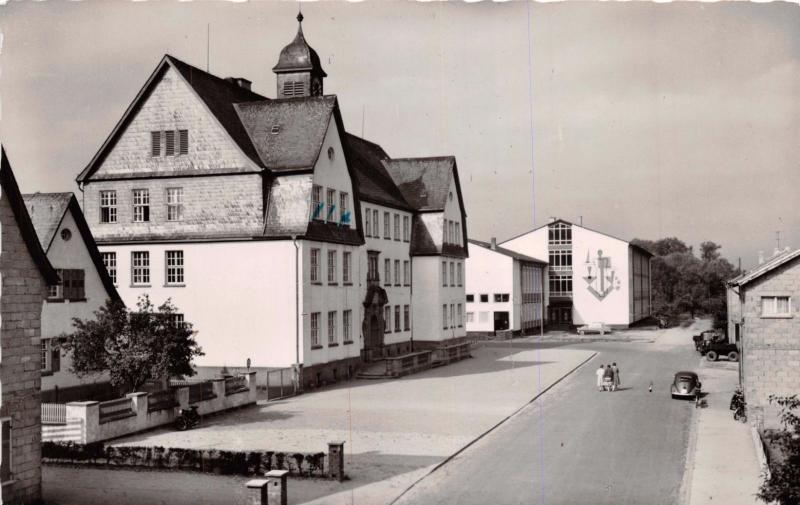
(299, 70)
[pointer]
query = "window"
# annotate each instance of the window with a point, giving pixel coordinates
(367, 227)
(406, 229)
(169, 141)
(458, 233)
(332, 328)
(177, 320)
(559, 234)
(387, 272)
(406, 273)
(470, 298)
(446, 225)
(155, 143)
(470, 317)
(452, 316)
(331, 216)
(560, 285)
(484, 298)
(183, 142)
(174, 261)
(444, 273)
(45, 355)
(141, 205)
(483, 317)
(460, 272)
(560, 260)
(375, 230)
(452, 274)
(460, 320)
(396, 318)
(315, 265)
(452, 232)
(110, 262)
(397, 227)
(346, 259)
(387, 319)
(315, 330)
(6, 464)
(387, 226)
(174, 204)
(406, 317)
(776, 306)
(316, 203)
(347, 326)
(344, 208)
(140, 264)
(372, 267)
(396, 272)
(500, 297)
(108, 206)
(70, 286)
(332, 277)
(444, 316)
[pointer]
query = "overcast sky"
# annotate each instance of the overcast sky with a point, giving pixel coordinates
(648, 120)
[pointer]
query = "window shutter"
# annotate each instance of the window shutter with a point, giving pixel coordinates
(155, 143)
(78, 284)
(170, 143)
(66, 280)
(183, 141)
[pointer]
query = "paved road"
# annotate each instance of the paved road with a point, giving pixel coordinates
(578, 445)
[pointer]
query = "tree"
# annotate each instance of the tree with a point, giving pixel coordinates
(133, 347)
(783, 484)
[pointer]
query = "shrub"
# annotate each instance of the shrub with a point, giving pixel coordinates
(783, 484)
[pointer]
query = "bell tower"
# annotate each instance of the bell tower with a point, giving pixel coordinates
(299, 71)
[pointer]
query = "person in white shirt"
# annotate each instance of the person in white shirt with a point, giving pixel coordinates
(600, 373)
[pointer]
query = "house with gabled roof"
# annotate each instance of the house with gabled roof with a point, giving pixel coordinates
(84, 286)
(764, 314)
(591, 276)
(270, 226)
(25, 273)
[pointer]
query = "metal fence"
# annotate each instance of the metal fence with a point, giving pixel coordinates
(116, 409)
(280, 383)
(54, 413)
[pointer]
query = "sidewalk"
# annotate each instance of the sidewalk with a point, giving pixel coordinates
(723, 467)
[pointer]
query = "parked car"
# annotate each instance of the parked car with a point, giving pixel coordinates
(713, 349)
(686, 385)
(600, 328)
(706, 336)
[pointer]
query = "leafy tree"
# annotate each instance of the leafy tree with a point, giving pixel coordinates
(783, 484)
(133, 347)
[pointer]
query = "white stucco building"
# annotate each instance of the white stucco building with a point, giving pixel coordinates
(282, 238)
(504, 290)
(84, 286)
(592, 276)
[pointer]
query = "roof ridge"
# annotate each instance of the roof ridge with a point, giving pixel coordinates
(445, 157)
(222, 80)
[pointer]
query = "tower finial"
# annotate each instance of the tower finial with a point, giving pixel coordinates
(300, 16)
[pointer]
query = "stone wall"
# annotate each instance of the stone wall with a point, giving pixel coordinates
(771, 345)
(23, 290)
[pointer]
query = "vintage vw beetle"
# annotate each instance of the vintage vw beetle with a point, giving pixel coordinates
(685, 385)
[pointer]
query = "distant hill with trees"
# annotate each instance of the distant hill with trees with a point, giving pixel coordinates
(683, 282)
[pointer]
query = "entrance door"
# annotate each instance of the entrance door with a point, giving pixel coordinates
(559, 316)
(375, 333)
(500, 321)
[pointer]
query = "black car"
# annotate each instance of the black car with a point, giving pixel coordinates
(686, 385)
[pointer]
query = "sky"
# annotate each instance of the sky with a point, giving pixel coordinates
(639, 119)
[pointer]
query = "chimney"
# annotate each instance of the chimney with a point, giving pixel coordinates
(494, 243)
(239, 81)
(777, 252)
(760, 257)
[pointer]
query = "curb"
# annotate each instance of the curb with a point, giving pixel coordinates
(685, 493)
(491, 429)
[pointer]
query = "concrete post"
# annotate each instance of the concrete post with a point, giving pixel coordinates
(297, 372)
(276, 489)
(182, 396)
(250, 381)
(257, 492)
(336, 460)
(89, 415)
(139, 405)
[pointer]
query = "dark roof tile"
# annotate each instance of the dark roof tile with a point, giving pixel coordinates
(374, 182)
(424, 182)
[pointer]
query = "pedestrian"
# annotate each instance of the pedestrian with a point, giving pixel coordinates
(615, 371)
(600, 374)
(608, 376)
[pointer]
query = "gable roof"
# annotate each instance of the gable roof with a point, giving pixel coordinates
(216, 93)
(765, 268)
(424, 182)
(373, 180)
(507, 252)
(9, 185)
(288, 133)
(47, 211)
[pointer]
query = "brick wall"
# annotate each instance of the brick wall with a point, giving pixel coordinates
(23, 290)
(771, 346)
(212, 206)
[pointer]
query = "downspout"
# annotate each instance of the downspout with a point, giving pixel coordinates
(297, 375)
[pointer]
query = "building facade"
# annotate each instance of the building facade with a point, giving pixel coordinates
(25, 274)
(282, 238)
(767, 315)
(84, 286)
(504, 291)
(591, 276)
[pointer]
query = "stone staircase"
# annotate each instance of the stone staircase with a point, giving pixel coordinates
(374, 370)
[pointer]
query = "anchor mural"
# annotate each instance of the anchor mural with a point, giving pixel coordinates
(600, 277)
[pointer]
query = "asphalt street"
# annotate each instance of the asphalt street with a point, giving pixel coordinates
(577, 445)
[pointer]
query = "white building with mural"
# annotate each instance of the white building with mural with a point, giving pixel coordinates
(591, 276)
(504, 291)
(282, 238)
